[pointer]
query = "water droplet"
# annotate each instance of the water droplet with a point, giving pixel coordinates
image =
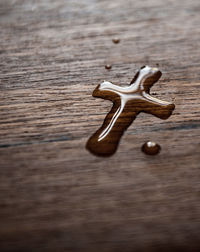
(173, 99)
(128, 102)
(115, 40)
(108, 67)
(151, 148)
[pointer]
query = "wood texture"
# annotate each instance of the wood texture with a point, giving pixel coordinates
(56, 196)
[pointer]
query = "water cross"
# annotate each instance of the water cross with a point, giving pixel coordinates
(128, 102)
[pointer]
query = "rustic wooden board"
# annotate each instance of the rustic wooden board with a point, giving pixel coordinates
(55, 195)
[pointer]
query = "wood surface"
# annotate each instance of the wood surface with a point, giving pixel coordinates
(54, 194)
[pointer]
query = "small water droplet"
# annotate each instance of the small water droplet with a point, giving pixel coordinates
(115, 40)
(108, 67)
(151, 148)
(173, 99)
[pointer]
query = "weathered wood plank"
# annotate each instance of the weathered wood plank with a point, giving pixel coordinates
(56, 196)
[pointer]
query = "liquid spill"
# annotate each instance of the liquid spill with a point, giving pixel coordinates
(115, 40)
(128, 102)
(151, 148)
(108, 67)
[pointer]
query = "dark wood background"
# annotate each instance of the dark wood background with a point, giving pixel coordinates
(55, 195)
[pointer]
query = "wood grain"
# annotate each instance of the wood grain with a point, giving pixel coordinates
(56, 196)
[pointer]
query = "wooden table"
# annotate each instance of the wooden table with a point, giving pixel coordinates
(54, 194)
